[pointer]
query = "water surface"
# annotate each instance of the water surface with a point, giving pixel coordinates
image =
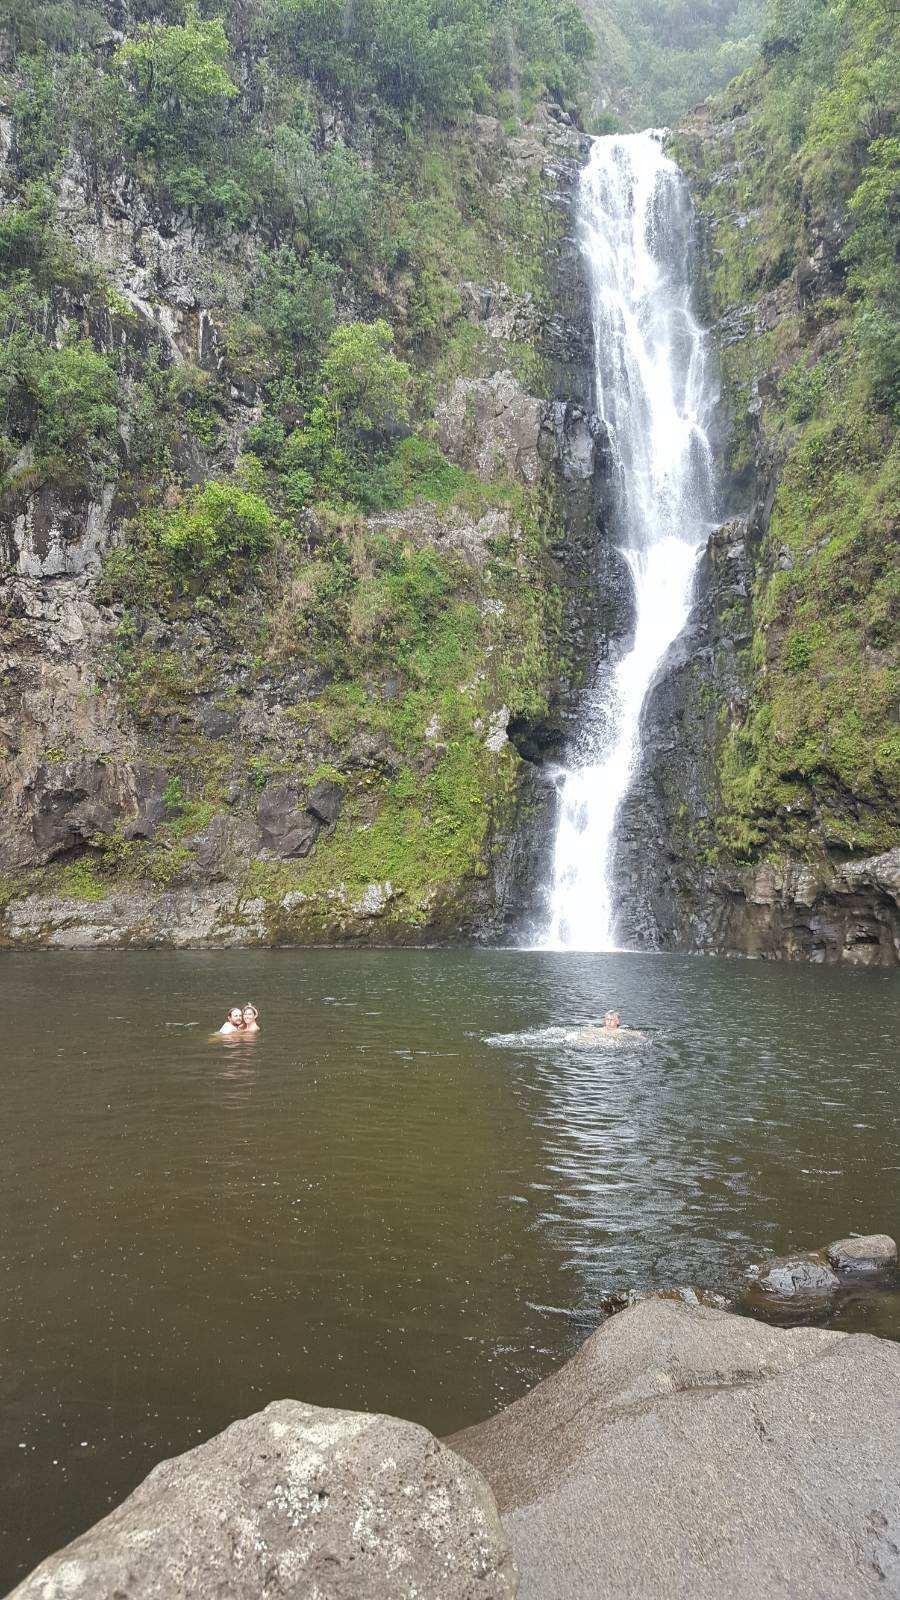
(408, 1193)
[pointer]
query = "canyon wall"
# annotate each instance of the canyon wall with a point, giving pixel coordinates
(764, 817)
(297, 514)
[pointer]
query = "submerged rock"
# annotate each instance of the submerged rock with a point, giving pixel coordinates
(688, 1452)
(797, 1276)
(818, 1282)
(623, 1299)
(295, 1501)
(872, 1255)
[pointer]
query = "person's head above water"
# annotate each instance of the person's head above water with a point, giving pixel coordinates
(250, 1016)
(236, 1016)
(612, 1020)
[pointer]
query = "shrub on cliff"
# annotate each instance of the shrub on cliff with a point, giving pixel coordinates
(361, 402)
(220, 526)
(365, 387)
(65, 402)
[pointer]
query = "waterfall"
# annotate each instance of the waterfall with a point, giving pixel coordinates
(656, 390)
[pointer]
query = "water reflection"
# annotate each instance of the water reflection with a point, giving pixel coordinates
(237, 1073)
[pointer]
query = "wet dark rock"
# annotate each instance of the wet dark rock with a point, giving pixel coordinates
(537, 739)
(285, 825)
(688, 1452)
(817, 1285)
(216, 720)
(871, 1255)
(297, 1501)
(576, 434)
(672, 802)
(325, 802)
(623, 1299)
(150, 797)
(73, 801)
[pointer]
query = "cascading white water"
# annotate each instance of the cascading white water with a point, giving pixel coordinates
(656, 391)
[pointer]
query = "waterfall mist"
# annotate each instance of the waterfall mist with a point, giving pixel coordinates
(656, 392)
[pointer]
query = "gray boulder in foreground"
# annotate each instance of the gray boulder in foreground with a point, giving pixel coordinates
(295, 1501)
(689, 1454)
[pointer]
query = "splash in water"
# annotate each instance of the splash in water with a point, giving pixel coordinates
(656, 390)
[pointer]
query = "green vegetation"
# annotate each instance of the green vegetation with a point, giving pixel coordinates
(458, 640)
(816, 765)
(333, 145)
(237, 250)
(221, 524)
(657, 58)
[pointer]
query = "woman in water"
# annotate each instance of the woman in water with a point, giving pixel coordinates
(250, 1018)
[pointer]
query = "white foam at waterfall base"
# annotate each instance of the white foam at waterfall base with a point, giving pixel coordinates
(656, 390)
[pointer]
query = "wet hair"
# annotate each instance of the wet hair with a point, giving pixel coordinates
(250, 1007)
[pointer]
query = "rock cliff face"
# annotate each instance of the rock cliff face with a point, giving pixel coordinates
(675, 893)
(179, 770)
(763, 818)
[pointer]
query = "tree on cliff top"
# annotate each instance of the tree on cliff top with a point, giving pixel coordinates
(178, 86)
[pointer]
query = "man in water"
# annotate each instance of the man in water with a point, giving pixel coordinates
(610, 1033)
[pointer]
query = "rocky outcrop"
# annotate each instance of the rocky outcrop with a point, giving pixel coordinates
(675, 893)
(493, 427)
(683, 1451)
(872, 1255)
(842, 911)
(289, 824)
(686, 1451)
(296, 1501)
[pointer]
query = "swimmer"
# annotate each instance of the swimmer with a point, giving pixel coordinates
(250, 1018)
(609, 1032)
(234, 1022)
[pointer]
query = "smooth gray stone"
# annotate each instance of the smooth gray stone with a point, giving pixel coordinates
(689, 1454)
(295, 1501)
(875, 1254)
(797, 1277)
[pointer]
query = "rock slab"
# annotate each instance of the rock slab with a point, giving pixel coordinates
(689, 1454)
(295, 1501)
